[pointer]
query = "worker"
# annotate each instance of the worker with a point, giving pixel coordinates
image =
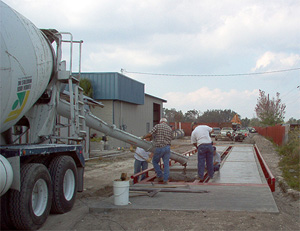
(200, 138)
(141, 160)
(162, 134)
(217, 160)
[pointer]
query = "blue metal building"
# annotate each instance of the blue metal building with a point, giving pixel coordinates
(125, 104)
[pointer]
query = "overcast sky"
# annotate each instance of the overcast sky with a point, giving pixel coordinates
(207, 42)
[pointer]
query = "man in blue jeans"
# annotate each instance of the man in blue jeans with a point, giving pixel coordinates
(200, 138)
(162, 134)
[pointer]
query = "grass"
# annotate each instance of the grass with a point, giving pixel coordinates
(290, 162)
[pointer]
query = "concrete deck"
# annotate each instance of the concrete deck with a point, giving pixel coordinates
(238, 186)
(240, 166)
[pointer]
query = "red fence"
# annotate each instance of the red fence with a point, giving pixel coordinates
(277, 133)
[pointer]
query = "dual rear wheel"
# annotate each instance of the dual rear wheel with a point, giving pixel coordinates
(42, 190)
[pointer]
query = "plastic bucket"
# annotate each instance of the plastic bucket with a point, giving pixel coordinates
(121, 192)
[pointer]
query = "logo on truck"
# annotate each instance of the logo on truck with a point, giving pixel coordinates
(23, 91)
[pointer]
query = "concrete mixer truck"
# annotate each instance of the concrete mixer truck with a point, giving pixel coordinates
(40, 170)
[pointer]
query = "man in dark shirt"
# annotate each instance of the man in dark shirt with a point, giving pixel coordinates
(162, 134)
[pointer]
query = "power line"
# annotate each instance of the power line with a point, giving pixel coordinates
(293, 100)
(210, 75)
(293, 89)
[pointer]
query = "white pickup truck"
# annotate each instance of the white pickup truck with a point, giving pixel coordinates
(226, 133)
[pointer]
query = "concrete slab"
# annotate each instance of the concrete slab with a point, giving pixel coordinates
(238, 173)
(222, 198)
(238, 186)
(221, 148)
(240, 166)
(242, 148)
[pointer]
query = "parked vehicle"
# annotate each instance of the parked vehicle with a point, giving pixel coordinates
(215, 132)
(240, 134)
(226, 133)
(252, 130)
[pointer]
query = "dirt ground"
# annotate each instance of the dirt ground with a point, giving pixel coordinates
(99, 177)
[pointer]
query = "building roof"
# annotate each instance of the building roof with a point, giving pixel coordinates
(163, 100)
(115, 86)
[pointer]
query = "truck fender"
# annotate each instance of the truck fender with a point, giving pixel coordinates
(6, 175)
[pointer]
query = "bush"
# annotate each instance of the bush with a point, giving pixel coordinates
(96, 139)
(289, 163)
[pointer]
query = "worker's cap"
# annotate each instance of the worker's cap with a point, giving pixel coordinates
(163, 120)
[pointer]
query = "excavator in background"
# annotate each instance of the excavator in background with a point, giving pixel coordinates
(238, 134)
(236, 122)
(41, 170)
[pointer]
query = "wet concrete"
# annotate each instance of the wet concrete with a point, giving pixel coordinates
(238, 186)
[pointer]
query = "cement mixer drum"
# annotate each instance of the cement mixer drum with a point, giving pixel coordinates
(26, 66)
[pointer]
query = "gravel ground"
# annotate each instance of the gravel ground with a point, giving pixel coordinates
(100, 173)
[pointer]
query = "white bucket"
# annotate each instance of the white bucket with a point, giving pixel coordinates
(121, 192)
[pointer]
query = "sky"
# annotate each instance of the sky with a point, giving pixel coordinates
(197, 55)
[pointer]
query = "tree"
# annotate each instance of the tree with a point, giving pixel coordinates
(179, 116)
(254, 122)
(292, 120)
(191, 115)
(269, 112)
(87, 87)
(171, 115)
(216, 116)
(245, 122)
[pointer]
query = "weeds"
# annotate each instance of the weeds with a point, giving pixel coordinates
(290, 162)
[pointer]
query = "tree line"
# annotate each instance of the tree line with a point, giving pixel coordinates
(209, 116)
(269, 112)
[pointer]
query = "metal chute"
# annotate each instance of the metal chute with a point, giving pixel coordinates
(111, 130)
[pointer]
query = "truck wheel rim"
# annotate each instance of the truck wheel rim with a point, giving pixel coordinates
(39, 197)
(69, 184)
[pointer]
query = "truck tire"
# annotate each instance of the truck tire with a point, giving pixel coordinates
(63, 172)
(30, 207)
(5, 218)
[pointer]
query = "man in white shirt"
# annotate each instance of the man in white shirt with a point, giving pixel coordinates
(200, 138)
